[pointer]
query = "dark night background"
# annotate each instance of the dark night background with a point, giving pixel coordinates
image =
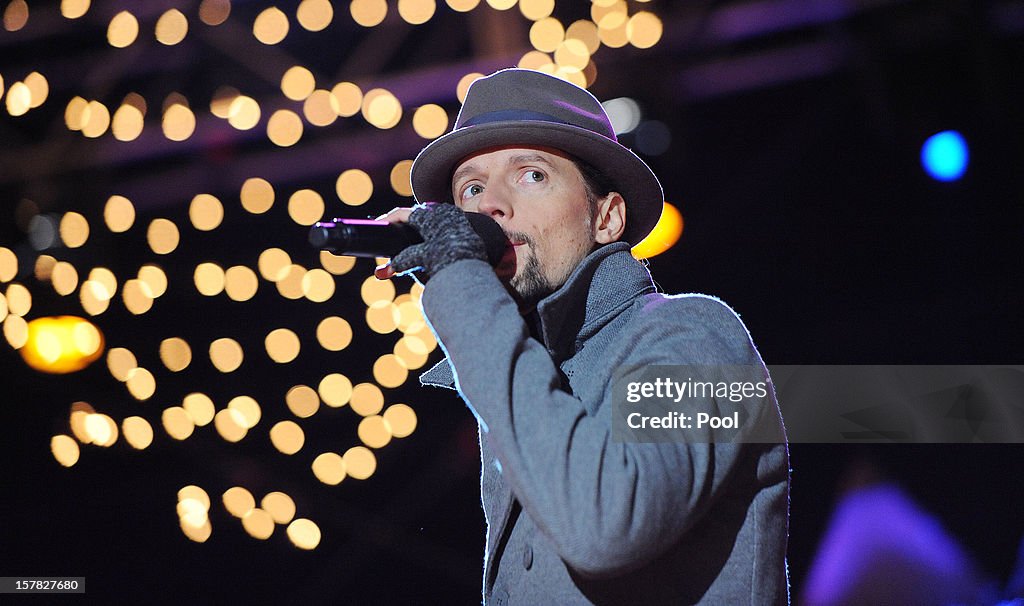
(794, 158)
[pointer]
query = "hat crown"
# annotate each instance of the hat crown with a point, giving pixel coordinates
(523, 94)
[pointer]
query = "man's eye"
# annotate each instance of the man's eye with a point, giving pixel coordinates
(472, 190)
(534, 176)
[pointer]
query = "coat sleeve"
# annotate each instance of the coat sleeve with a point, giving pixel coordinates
(608, 507)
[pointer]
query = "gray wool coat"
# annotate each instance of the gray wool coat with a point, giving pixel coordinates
(574, 517)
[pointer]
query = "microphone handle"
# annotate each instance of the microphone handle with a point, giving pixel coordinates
(363, 237)
(371, 238)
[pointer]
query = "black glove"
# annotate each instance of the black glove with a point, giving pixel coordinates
(447, 237)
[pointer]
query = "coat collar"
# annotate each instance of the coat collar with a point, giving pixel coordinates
(602, 285)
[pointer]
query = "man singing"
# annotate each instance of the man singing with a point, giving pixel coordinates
(573, 515)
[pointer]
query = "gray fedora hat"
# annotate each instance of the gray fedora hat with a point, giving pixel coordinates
(527, 107)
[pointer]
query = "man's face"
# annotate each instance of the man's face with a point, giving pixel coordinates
(537, 195)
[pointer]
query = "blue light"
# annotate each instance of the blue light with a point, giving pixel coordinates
(944, 155)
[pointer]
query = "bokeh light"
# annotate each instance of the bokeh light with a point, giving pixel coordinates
(644, 29)
(119, 214)
(141, 383)
(547, 34)
(73, 9)
(304, 534)
(274, 264)
(64, 449)
(287, 437)
(416, 12)
(354, 187)
(360, 462)
(270, 26)
(321, 108)
(257, 195)
(367, 399)
(303, 401)
(280, 506)
(154, 278)
(238, 501)
(290, 286)
(381, 108)
(175, 353)
(349, 98)
(329, 468)
(240, 283)
(664, 235)
(390, 371)
(123, 29)
(226, 354)
(244, 112)
(171, 27)
(61, 344)
(314, 15)
(462, 6)
(945, 155)
(318, 285)
(205, 212)
(137, 432)
(430, 121)
(120, 363)
(374, 431)
(368, 13)
(298, 83)
(163, 236)
(334, 333)
(209, 279)
(214, 12)
(200, 407)
(230, 425)
(282, 345)
(336, 264)
(335, 390)
(177, 422)
(401, 420)
(284, 128)
(463, 86)
(248, 409)
(306, 207)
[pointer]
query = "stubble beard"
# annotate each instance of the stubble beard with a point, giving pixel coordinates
(529, 285)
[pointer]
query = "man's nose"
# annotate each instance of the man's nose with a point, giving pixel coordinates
(494, 203)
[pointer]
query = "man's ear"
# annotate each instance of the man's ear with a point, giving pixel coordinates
(610, 221)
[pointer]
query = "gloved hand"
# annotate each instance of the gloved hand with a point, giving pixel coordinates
(447, 237)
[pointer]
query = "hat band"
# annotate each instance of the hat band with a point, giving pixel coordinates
(507, 115)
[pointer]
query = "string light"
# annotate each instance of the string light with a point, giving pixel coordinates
(122, 30)
(284, 128)
(304, 534)
(257, 195)
(200, 407)
(171, 27)
(214, 12)
(349, 98)
(18, 99)
(368, 13)
(314, 15)
(270, 26)
(416, 12)
(297, 83)
(565, 52)
(74, 9)
(287, 437)
(463, 6)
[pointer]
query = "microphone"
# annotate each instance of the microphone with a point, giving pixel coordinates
(372, 238)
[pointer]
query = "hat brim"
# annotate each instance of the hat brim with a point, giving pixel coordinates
(432, 170)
